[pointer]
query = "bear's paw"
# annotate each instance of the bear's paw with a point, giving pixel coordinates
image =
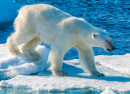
(60, 73)
(97, 74)
(33, 56)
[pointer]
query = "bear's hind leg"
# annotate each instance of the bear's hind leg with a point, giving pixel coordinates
(12, 46)
(16, 39)
(29, 49)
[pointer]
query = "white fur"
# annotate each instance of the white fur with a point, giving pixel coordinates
(37, 23)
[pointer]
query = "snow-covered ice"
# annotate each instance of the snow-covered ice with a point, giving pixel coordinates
(8, 10)
(12, 66)
(118, 63)
(24, 73)
(108, 90)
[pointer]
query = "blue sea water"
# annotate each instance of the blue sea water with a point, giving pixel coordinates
(111, 15)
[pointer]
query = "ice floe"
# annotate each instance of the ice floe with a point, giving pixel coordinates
(24, 73)
(120, 63)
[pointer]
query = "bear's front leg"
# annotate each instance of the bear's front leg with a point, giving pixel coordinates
(55, 58)
(86, 57)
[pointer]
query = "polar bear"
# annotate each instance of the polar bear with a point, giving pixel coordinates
(37, 23)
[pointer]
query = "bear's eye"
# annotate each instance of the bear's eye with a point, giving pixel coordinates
(94, 35)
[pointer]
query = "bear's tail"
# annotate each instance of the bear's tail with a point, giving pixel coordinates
(12, 46)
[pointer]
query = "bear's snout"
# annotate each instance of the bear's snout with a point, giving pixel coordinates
(110, 50)
(110, 47)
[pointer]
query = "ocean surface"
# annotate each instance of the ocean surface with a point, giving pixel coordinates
(110, 15)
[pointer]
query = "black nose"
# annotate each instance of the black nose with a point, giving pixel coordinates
(113, 48)
(110, 50)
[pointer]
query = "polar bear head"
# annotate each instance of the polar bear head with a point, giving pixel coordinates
(92, 36)
(102, 39)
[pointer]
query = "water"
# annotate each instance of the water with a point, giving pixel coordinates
(111, 15)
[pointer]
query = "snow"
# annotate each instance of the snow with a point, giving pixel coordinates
(12, 66)
(108, 90)
(8, 10)
(24, 73)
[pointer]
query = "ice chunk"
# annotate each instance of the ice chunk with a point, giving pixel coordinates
(108, 90)
(16, 65)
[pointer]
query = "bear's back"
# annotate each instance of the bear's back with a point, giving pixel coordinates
(43, 12)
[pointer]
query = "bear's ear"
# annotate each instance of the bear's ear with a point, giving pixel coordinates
(104, 30)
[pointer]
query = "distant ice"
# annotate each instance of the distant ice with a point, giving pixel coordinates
(24, 73)
(8, 10)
